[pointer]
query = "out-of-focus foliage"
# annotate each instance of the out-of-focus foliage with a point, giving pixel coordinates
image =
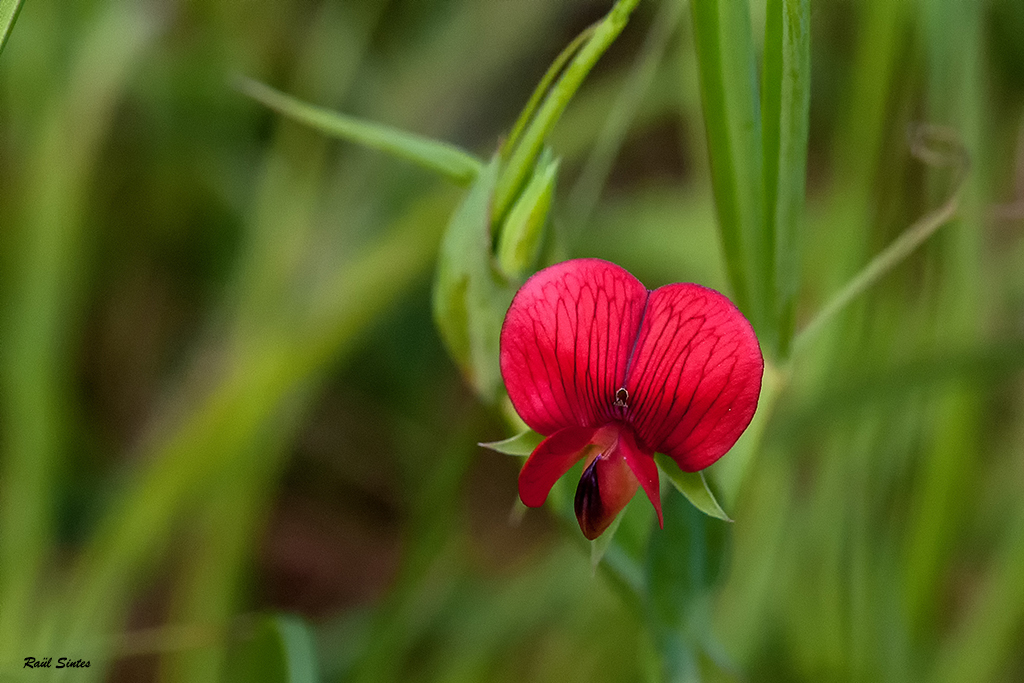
(222, 393)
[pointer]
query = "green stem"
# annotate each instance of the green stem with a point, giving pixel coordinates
(526, 116)
(526, 151)
(587, 190)
(448, 160)
(892, 256)
(9, 10)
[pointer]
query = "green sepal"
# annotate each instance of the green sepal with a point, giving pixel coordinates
(520, 444)
(693, 485)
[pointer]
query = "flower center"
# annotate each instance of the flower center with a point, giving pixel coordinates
(588, 505)
(621, 396)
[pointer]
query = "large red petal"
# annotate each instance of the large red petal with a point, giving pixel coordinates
(550, 460)
(695, 377)
(566, 341)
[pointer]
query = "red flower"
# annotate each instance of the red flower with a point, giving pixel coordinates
(611, 373)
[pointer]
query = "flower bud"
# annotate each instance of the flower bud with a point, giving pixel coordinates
(523, 229)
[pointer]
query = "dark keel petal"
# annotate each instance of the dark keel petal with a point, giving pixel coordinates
(589, 508)
(607, 485)
(566, 341)
(695, 377)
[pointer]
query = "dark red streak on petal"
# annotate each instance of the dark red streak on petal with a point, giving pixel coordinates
(697, 377)
(675, 393)
(555, 380)
(647, 382)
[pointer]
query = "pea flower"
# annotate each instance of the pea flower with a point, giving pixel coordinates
(610, 373)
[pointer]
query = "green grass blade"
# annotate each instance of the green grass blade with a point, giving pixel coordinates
(785, 106)
(9, 10)
(521, 162)
(953, 40)
(41, 316)
(205, 445)
(728, 84)
(448, 160)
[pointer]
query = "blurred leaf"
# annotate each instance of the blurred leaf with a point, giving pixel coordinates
(693, 485)
(528, 146)
(282, 650)
(728, 82)
(520, 444)
(469, 298)
(992, 364)
(522, 232)
(684, 560)
(785, 108)
(599, 546)
(210, 439)
(9, 10)
(448, 160)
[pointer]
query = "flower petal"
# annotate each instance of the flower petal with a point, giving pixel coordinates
(644, 469)
(550, 460)
(695, 377)
(566, 342)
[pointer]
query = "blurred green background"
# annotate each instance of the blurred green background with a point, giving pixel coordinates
(222, 394)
